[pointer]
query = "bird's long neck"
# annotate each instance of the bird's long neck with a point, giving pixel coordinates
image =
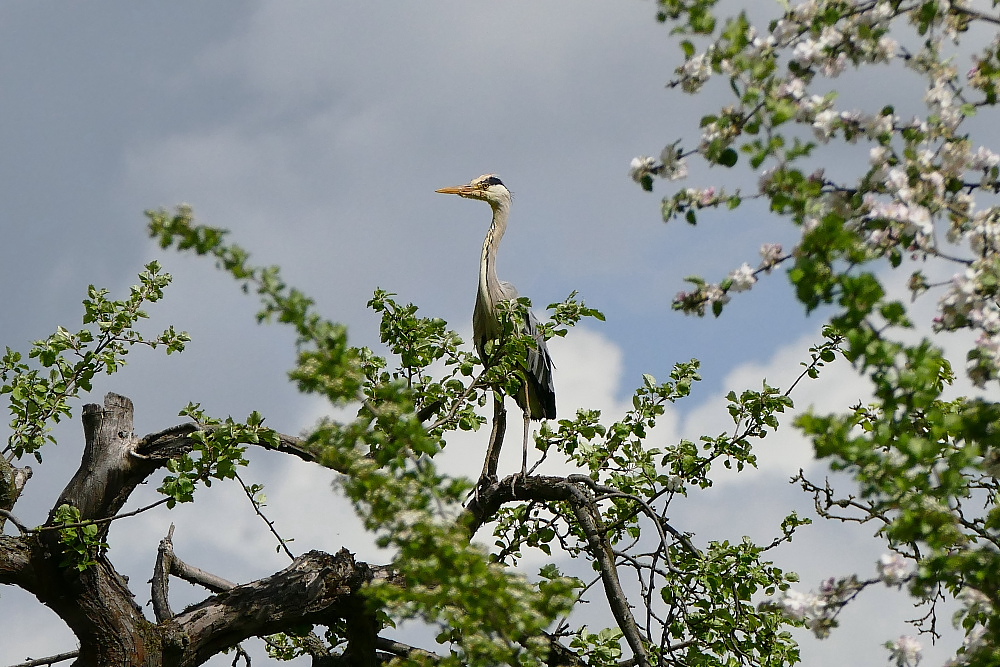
(488, 280)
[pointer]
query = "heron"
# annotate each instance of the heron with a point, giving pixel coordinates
(537, 395)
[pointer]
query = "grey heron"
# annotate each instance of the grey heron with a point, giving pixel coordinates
(537, 395)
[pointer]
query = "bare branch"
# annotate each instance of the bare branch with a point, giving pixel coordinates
(51, 660)
(177, 439)
(270, 524)
(12, 482)
(404, 650)
(316, 588)
(15, 563)
(197, 576)
(490, 498)
(5, 516)
(600, 548)
(161, 578)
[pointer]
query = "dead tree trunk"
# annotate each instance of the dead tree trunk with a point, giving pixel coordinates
(96, 602)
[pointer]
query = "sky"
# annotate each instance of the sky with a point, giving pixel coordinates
(317, 133)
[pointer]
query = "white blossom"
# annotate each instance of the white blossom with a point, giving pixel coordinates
(984, 158)
(794, 88)
(674, 166)
(887, 48)
(806, 52)
(742, 278)
(770, 253)
(893, 569)
(825, 124)
(832, 67)
(906, 651)
(695, 71)
(641, 166)
(798, 605)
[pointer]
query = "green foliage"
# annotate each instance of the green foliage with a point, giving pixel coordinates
(723, 615)
(80, 540)
(420, 342)
(216, 453)
(57, 369)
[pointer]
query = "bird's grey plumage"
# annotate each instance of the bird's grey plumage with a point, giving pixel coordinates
(539, 397)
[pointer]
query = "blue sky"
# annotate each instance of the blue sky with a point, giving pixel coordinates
(317, 132)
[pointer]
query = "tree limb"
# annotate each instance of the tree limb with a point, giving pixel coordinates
(175, 440)
(317, 588)
(6, 515)
(15, 562)
(51, 660)
(488, 501)
(404, 650)
(160, 583)
(588, 516)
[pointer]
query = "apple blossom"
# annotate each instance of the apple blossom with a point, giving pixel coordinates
(905, 651)
(893, 569)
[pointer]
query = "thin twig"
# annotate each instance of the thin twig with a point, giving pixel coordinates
(270, 524)
(94, 522)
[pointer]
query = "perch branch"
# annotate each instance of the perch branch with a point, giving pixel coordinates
(484, 505)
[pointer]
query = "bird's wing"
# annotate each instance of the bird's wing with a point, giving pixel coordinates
(541, 388)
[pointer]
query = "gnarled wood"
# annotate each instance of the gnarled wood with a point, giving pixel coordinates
(108, 472)
(99, 607)
(12, 481)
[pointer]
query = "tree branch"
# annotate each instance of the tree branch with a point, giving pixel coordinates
(6, 515)
(404, 650)
(51, 660)
(600, 548)
(107, 474)
(160, 583)
(176, 440)
(317, 588)
(490, 498)
(15, 562)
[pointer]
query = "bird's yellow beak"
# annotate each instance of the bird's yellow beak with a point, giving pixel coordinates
(462, 190)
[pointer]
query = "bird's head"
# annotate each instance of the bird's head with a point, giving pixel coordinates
(487, 188)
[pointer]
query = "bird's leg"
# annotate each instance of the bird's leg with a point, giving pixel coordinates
(524, 452)
(527, 428)
(496, 440)
(489, 473)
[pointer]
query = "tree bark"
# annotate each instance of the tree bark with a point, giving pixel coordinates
(97, 604)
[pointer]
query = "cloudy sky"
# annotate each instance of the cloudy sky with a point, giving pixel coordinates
(317, 132)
